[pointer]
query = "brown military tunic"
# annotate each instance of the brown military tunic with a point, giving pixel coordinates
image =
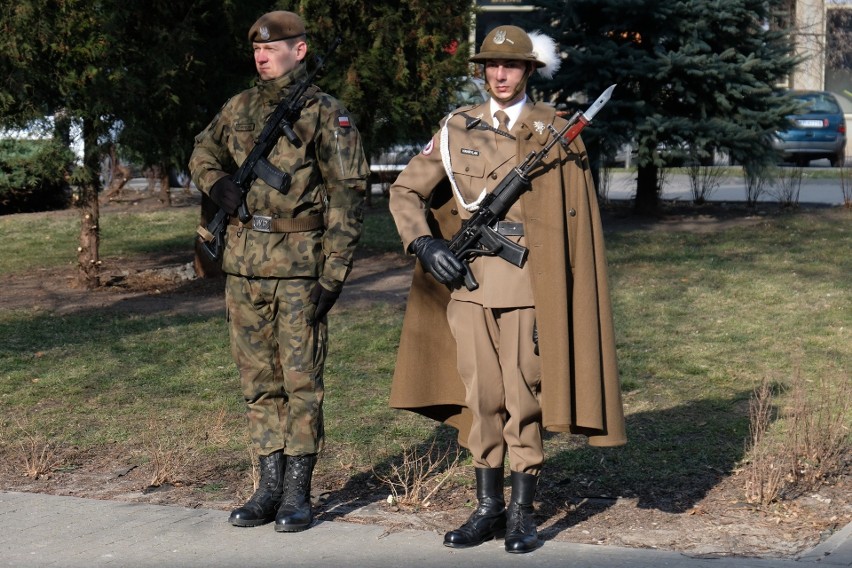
(566, 271)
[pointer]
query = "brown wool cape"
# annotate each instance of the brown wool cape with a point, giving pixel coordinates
(580, 391)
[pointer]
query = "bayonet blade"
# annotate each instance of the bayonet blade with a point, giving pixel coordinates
(598, 104)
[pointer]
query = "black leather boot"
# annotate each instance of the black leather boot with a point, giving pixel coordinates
(260, 508)
(489, 519)
(295, 512)
(521, 534)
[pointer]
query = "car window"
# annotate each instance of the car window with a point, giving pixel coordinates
(818, 103)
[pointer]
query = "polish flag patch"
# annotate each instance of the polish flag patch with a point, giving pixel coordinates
(343, 121)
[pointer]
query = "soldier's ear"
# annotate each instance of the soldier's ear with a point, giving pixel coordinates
(301, 50)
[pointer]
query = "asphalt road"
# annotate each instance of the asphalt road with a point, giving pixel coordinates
(732, 189)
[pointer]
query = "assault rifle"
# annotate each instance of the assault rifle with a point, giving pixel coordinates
(478, 235)
(279, 123)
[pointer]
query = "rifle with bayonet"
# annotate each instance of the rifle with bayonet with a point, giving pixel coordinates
(478, 235)
(279, 123)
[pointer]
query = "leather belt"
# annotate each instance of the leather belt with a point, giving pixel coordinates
(265, 224)
(508, 229)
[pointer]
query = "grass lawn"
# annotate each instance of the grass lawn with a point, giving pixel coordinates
(702, 318)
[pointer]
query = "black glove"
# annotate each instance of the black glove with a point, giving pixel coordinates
(323, 300)
(437, 259)
(226, 194)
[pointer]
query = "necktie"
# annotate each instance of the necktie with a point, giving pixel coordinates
(503, 120)
(504, 142)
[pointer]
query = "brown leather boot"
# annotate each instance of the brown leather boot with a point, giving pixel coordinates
(521, 533)
(260, 508)
(489, 519)
(295, 512)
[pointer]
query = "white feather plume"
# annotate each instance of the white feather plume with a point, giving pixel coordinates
(546, 51)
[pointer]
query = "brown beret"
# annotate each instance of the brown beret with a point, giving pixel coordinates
(275, 26)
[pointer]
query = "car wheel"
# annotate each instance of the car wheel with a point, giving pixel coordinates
(838, 160)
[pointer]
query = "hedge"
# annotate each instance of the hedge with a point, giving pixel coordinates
(33, 175)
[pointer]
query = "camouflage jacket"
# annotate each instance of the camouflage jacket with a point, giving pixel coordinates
(328, 170)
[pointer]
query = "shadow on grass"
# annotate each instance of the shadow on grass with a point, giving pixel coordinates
(673, 459)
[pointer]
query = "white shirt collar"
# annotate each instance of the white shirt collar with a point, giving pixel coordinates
(513, 112)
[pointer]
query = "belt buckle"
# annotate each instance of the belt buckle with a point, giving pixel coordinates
(261, 223)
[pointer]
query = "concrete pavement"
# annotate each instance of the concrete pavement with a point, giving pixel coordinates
(49, 530)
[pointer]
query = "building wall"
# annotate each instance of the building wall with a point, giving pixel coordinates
(810, 43)
(811, 23)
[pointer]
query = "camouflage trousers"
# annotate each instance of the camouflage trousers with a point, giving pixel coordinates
(280, 359)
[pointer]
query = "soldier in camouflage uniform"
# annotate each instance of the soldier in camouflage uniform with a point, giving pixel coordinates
(286, 266)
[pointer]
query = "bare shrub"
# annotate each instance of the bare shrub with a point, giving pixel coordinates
(704, 180)
(787, 186)
(757, 178)
(810, 442)
(218, 432)
(764, 474)
(604, 183)
(419, 475)
(818, 416)
(846, 185)
(169, 453)
(38, 455)
(254, 472)
(174, 453)
(255, 468)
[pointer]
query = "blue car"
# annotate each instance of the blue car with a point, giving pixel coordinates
(818, 131)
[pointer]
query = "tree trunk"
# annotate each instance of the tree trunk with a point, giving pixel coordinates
(647, 190)
(119, 176)
(88, 259)
(165, 186)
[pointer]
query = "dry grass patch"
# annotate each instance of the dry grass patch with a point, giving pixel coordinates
(38, 455)
(173, 453)
(419, 473)
(800, 436)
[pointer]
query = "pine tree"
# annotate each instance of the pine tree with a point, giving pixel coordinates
(183, 59)
(694, 77)
(396, 65)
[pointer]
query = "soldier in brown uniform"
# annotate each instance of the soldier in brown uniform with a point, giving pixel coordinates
(286, 266)
(532, 347)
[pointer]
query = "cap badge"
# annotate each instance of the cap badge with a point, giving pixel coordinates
(264, 32)
(500, 38)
